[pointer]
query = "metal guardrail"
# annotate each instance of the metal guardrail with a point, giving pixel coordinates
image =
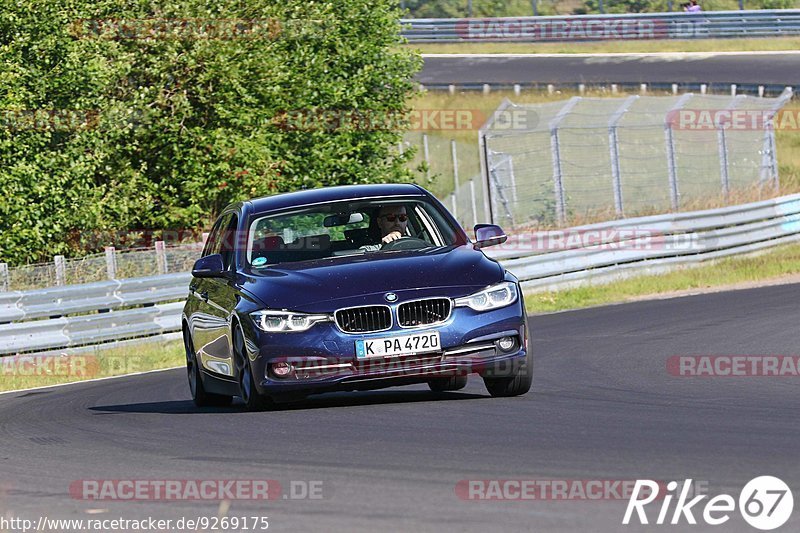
(105, 295)
(612, 250)
(640, 26)
(65, 332)
(626, 247)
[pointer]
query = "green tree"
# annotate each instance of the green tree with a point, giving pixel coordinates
(124, 115)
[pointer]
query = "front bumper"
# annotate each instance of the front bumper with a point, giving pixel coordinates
(324, 359)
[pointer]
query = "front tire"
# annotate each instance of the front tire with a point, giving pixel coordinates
(253, 401)
(200, 397)
(514, 385)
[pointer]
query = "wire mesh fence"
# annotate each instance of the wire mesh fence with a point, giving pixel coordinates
(590, 159)
(543, 165)
(113, 264)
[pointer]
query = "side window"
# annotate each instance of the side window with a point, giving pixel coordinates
(229, 241)
(213, 243)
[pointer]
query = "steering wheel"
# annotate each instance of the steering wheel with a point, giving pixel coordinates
(405, 243)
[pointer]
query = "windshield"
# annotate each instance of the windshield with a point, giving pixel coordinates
(348, 228)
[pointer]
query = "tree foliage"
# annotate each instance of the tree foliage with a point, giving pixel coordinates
(126, 115)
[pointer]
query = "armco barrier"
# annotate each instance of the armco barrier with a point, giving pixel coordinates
(72, 299)
(640, 26)
(65, 332)
(619, 249)
(679, 238)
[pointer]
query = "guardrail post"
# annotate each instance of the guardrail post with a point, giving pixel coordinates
(111, 262)
(613, 146)
(454, 154)
(555, 148)
(4, 284)
(60, 271)
(672, 167)
(161, 257)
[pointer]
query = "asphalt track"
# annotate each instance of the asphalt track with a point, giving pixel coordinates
(765, 68)
(604, 407)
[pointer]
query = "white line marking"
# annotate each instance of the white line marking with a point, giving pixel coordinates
(665, 55)
(91, 380)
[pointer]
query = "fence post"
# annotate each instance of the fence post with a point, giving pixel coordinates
(161, 257)
(500, 195)
(513, 179)
(454, 154)
(769, 159)
(672, 167)
(722, 146)
(60, 271)
(613, 146)
(4, 284)
(427, 155)
(474, 201)
(555, 148)
(111, 262)
(483, 153)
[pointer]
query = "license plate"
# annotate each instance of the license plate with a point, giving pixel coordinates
(393, 346)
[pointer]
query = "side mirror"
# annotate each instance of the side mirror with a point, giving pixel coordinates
(489, 235)
(209, 266)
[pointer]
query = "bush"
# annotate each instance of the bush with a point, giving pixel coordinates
(129, 115)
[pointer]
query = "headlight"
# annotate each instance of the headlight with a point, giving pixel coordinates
(494, 297)
(278, 321)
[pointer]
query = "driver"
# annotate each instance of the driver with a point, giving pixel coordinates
(392, 221)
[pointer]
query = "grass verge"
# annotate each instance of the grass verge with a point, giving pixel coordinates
(735, 271)
(24, 372)
(777, 44)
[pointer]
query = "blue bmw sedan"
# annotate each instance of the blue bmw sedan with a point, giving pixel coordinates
(350, 288)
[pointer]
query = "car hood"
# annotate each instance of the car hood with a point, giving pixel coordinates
(329, 284)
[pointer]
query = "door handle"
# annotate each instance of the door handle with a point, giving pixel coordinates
(203, 296)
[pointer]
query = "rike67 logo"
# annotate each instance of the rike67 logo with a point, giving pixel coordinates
(766, 503)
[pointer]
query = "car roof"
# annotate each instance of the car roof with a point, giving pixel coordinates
(333, 194)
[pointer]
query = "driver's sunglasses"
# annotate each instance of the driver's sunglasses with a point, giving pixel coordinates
(392, 218)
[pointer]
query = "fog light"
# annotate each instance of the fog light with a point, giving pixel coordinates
(506, 344)
(281, 370)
